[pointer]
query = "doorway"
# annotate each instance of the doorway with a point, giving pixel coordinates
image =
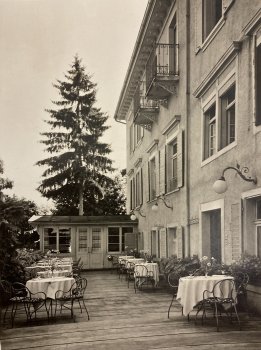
(90, 243)
(211, 234)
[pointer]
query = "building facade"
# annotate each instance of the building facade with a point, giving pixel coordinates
(191, 104)
(91, 238)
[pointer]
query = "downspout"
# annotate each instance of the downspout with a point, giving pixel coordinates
(187, 125)
(119, 121)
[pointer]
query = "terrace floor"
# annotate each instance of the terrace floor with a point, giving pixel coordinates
(121, 319)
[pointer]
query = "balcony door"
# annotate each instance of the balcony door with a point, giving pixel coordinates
(211, 234)
(173, 41)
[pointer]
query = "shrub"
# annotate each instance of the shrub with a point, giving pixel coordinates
(249, 264)
(183, 266)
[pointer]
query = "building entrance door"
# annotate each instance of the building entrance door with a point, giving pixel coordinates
(91, 248)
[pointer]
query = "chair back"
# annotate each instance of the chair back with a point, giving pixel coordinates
(142, 271)
(173, 279)
(6, 292)
(81, 285)
(20, 290)
(130, 266)
(224, 289)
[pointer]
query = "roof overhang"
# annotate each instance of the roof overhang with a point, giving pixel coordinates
(151, 25)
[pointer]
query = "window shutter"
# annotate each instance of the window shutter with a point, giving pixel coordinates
(235, 231)
(226, 4)
(131, 195)
(149, 180)
(162, 171)
(180, 158)
(180, 242)
(140, 241)
(198, 23)
(165, 170)
(141, 186)
(131, 240)
(162, 240)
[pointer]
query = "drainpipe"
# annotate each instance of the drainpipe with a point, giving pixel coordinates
(187, 126)
(119, 121)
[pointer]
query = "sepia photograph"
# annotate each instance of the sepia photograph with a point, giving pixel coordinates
(130, 174)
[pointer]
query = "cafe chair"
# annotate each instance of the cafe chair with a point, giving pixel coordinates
(67, 299)
(130, 272)
(6, 293)
(77, 270)
(76, 263)
(241, 282)
(173, 281)
(114, 260)
(142, 277)
(122, 271)
(30, 302)
(222, 300)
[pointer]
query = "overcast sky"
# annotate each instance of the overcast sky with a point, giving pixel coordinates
(38, 40)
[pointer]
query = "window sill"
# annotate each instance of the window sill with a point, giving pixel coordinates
(257, 129)
(173, 191)
(211, 35)
(218, 154)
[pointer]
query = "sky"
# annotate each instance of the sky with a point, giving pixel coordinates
(38, 41)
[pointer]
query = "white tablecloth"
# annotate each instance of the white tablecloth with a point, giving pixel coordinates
(190, 290)
(125, 257)
(134, 261)
(152, 268)
(50, 285)
(67, 267)
(56, 273)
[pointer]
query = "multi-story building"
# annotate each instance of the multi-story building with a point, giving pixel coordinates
(191, 103)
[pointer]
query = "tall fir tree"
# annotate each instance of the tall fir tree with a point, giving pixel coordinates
(79, 164)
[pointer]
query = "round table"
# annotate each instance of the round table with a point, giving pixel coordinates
(191, 288)
(50, 285)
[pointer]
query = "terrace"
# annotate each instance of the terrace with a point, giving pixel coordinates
(121, 319)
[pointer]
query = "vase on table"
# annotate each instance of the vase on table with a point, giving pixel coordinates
(206, 273)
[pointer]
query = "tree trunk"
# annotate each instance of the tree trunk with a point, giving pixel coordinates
(81, 200)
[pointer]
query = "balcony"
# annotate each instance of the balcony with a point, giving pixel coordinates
(162, 72)
(145, 110)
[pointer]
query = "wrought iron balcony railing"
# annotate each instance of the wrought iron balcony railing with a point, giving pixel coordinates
(145, 110)
(162, 64)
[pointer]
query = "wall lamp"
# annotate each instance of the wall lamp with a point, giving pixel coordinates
(139, 211)
(220, 185)
(155, 206)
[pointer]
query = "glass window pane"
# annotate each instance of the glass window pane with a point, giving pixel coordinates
(65, 240)
(96, 239)
(50, 235)
(83, 240)
(113, 239)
